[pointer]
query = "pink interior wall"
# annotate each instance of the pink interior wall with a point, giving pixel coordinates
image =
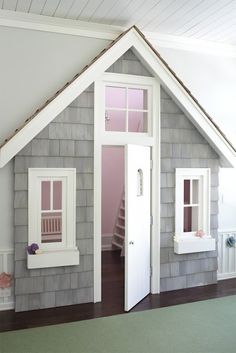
(113, 157)
(112, 185)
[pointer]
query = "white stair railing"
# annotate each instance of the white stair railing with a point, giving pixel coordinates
(51, 227)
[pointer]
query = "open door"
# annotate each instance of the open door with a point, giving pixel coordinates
(137, 224)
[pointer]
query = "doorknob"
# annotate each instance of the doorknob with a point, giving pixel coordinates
(131, 242)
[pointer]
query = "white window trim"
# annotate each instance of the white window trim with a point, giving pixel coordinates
(128, 81)
(66, 252)
(189, 242)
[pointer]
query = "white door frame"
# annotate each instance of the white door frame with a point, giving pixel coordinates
(103, 138)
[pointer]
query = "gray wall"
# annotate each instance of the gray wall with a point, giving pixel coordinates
(66, 142)
(182, 146)
(129, 64)
(45, 62)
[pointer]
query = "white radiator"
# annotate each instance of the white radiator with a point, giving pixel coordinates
(6, 265)
(226, 255)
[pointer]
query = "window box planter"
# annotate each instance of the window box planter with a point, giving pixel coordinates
(193, 245)
(53, 259)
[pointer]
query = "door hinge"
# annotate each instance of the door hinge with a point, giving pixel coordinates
(151, 220)
(151, 164)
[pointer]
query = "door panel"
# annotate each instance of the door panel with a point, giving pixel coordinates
(137, 224)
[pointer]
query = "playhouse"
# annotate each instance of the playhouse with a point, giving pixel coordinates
(122, 158)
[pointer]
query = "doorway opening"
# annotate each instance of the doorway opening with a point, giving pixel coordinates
(113, 223)
(126, 228)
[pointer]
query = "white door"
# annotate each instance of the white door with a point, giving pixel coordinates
(137, 224)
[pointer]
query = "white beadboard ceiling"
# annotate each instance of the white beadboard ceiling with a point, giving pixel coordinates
(211, 20)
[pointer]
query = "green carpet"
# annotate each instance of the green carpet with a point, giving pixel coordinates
(201, 327)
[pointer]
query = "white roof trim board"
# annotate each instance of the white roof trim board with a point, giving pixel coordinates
(135, 39)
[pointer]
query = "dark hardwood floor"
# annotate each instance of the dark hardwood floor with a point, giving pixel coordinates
(112, 300)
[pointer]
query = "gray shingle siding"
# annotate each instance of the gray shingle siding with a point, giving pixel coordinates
(66, 142)
(182, 146)
(128, 63)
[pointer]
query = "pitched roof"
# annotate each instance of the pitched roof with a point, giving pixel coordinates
(29, 129)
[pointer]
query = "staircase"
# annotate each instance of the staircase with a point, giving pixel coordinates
(118, 239)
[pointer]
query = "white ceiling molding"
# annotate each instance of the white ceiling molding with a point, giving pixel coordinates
(191, 44)
(58, 25)
(108, 32)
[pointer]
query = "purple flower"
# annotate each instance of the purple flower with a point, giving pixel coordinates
(32, 248)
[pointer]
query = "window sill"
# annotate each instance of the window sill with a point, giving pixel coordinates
(53, 259)
(194, 244)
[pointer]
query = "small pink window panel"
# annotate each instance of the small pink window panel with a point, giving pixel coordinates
(190, 219)
(115, 97)
(51, 227)
(45, 195)
(57, 195)
(195, 191)
(191, 205)
(115, 120)
(186, 192)
(137, 121)
(137, 99)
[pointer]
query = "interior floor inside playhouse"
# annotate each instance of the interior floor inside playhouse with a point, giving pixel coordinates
(113, 221)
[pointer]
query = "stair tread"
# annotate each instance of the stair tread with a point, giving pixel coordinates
(121, 217)
(120, 226)
(121, 236)
(118, 239)
(117, 244)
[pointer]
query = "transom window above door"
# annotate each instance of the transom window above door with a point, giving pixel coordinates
(126, 109)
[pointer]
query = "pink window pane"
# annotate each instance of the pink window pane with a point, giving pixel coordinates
(187, 219)
(51, 227)
(57, 195)
(137, 98)
(115, 97)
(137, 122)
(115, 120)
(186, 192)
(195, 187)
(45, 195)
(190, 219)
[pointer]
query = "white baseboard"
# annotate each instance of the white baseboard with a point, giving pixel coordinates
(106, 241)
(222, 276)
